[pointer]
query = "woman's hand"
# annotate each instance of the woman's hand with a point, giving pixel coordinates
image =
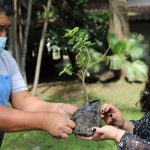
(112, 115)
(106, 133)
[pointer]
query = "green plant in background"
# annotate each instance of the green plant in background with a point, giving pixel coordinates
(128, 55)
(68, 14)
(97, 26)
(81, 45)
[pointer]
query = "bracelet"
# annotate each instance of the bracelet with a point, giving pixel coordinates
(116, 134)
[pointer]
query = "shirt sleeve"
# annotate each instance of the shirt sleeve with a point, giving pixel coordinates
(18, 83)
(136, 124)
(133, 142)
(142, 127)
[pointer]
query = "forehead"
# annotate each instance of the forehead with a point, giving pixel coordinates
(4, 19)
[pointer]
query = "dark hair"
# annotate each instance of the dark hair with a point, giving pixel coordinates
(7, 6)
(145, 95)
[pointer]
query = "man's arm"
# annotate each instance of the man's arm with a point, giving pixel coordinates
(16, 120)
(12, 120)
(24, 101)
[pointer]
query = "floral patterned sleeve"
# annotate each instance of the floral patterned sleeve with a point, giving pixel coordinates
(140, 139)
(133, 142)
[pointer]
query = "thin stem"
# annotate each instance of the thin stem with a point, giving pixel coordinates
(100, 59)
(84, 75)
(84, 87)
(89, 58)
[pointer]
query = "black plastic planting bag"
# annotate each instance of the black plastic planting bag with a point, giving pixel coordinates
(87, 117)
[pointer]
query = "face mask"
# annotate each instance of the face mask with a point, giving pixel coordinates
(2, 43)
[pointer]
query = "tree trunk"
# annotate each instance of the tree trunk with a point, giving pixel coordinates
(118, 19)
(40, 52)
(118, 24)
(26, 33)
(13, 40)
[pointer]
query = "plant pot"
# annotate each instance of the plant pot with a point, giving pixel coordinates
(87, 117)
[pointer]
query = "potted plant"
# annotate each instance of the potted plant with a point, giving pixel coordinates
(88, 115)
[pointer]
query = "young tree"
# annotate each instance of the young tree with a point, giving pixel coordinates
(40, 52)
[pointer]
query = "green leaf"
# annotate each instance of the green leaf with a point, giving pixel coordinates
(136, 71)
(70, 42)
(96, 68)
(112, 40)
(94, 55)
(130, 43)
(119, 48)
(140, 70)
(136, 53)
(71, 33)
(87, 43)
(115, 62)
(62, 72)
(67, 69)
(129, 72)
(76, 29)
(134, 47)
(69, 72)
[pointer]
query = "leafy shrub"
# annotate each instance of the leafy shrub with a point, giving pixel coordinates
(129, 55)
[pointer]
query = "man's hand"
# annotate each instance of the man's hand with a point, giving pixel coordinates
(66, 109)
(58, 125)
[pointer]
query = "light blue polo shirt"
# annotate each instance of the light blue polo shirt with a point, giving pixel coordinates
(11, 80)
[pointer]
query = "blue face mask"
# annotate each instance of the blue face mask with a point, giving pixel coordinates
(2, 43)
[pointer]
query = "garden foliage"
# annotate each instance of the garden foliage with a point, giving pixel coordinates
(129, 55)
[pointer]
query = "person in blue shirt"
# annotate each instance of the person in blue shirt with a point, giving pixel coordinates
(27, 112)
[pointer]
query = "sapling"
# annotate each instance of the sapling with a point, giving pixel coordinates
(80, 42)
(88, 115)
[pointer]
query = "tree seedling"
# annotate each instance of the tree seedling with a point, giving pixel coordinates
(88, 115)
